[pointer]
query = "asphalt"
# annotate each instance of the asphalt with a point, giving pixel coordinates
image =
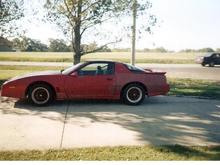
(70, 124)
(193, 71)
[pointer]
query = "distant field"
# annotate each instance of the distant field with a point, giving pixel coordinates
(172, 58)
(10, 71)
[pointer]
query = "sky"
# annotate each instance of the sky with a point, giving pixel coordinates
(181, 24)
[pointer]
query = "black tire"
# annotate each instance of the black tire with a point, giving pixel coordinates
(40, 94)
(211, 64)
(133, 94)
(203, 64)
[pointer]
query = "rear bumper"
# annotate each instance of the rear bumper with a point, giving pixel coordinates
(162, 91)
(166, 89)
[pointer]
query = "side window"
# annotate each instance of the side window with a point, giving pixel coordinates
(214, 56)
(97, 69)
(218, 55)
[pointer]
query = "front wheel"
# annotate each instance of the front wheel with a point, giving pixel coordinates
(40, 94)
(133, 94)
(211, 64)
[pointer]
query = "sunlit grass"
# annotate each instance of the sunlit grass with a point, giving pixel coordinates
(189, 87)
(118, 153)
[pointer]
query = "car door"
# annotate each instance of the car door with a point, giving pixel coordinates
(218, 59)
(95, 80)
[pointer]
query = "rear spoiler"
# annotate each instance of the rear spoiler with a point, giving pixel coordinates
(148, 70)
(154, 72)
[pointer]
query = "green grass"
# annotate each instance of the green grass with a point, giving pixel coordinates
(172, 58)
(200, 88)
(118, 153)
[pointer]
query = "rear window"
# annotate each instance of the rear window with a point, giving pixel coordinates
(134, 68)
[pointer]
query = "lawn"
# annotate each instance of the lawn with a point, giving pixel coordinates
(172, 58)
(118, 153)
(199, 88)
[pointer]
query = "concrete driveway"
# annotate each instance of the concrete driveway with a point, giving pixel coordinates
(68, 124)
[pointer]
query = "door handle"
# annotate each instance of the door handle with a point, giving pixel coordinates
(109, 79)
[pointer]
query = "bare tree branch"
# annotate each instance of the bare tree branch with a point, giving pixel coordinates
(92, 24)
(100, 48)
(89, 7)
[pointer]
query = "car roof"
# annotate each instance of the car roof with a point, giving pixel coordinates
(210, 54)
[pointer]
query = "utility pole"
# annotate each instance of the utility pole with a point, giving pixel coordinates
(134, 13)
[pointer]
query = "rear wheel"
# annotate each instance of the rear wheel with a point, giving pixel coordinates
(40, 94)
(133, 94)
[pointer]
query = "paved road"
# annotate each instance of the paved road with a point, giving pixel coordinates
(193, 71)
(160, 120)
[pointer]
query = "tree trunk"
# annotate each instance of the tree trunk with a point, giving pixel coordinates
(76, 59)
(77, 45)
(77, 35)
(134, 13)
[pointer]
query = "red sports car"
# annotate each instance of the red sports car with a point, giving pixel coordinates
(88, 80)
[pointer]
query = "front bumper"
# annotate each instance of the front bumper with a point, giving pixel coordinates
(11, 90)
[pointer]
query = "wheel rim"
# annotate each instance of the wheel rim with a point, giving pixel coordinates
(134, 94)
(40, 95)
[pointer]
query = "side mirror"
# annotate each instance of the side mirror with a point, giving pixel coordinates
(74, 74)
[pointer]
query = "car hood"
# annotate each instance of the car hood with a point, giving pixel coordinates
(42, 73)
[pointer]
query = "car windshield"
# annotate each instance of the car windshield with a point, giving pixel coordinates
(71, 68)
(208, 54)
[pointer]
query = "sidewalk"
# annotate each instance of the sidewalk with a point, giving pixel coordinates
(160, 120)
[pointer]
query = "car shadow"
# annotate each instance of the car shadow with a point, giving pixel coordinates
(215, 67)
(159, 120)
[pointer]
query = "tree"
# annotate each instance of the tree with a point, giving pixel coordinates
(10, 11)
(74, 17)
(206, 50)
(160, 50)
(218, 50)
(17, 44)
(29, 45)
(5, 45)
(58, 45)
